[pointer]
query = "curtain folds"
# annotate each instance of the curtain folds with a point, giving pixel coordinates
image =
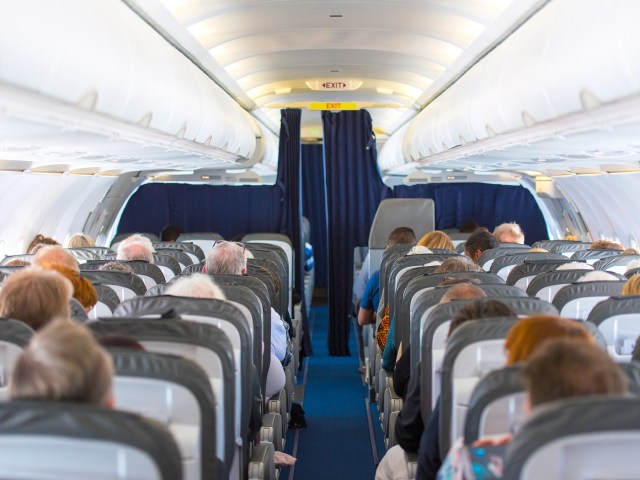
(353, 191)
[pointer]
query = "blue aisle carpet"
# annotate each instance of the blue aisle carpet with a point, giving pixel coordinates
(336, 443)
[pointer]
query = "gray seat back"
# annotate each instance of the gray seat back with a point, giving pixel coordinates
(206, 345)
(150, 274)
(107, 301)
(592, 256)
(521, 275)
(546, 285)
(618, 318)
(168, 265)
(195, 253)
(474, 349)
(590, 437)
(616, 264)
(417, 213)
(184, 259)
(567, 247)
(503, 265)
(488, 256)
(578, 299)
(82, 254)
(45, 440)
(434, 340)
(126, 285)
(176, 392)
(14, 337)
(204, 240)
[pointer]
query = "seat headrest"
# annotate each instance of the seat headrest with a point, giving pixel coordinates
(415, 213)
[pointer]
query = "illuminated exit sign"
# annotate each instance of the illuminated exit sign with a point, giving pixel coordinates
(334, 84)
(333, 106)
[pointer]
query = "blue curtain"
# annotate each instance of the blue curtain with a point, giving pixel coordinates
(314, 207)
(488, 204)
(353, 190)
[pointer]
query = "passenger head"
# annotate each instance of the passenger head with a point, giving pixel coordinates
(529, 333)
(462, 291)
(197, 285)
(509, 232)
(574, 266)
(135, 250)
(565, 368)
(632, 287)
(469, 226)
(40, 241)
(63, 363)
(477, 243)
(630, 251)
(598, 276)
(120, 341)
(80, 240)
(538, 250)
(606, 245)
(83, 290)
(170, 233)
(458, 264)
(35, 297)
(51, 256)
(228, 258)
(116, 267)
(436, 239)
(482, 308)
(401, 235)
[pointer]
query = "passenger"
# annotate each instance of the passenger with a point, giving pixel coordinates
(136, 247)
(119, 341)
(632, 286)
(598, 276)
(409, 425)
(631, 251)
(35, 297)
(575, 266)
(48, 256)
(229, 258)
(509, 233)
(523, 340)
(606, 245)
(116, 267)
(436, 239)
(63, 363)
(197, 285)
(477, 243)
(80, 240)
(40, 241)
(170, 233)
(60, 260)
(398, 236)
(469, 226)
(538, 250)
(458, 264)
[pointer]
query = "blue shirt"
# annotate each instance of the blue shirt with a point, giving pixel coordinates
(371, 295)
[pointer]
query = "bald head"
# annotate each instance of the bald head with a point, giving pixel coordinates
(462, 291)
(50, 256)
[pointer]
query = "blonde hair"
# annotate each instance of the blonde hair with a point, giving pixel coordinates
(80, 240)
(632, 287)
(35, 296)
(606, 245)
(436, 239)
(529, 333)
(63, 362)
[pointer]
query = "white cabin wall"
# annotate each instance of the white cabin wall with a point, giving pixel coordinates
(52, 204)
(608, 203)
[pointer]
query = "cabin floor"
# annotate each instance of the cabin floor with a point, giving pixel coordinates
(343, 438)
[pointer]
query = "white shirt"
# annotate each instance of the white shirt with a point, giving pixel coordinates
(279, 338)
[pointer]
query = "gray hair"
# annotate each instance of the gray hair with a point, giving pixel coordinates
(509, 232)
(197, 285)
(135, 250)
(227, 258)
(598, 275)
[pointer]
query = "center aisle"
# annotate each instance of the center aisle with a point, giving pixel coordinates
(336, 443)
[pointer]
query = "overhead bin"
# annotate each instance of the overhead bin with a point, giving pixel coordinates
(102, 57)
(571, 56)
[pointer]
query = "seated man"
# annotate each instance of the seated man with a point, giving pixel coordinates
(229, 258)
(170, 233)
(136, 247)
(509, 233)
(63, 362)
(477, 243)
(35, 297)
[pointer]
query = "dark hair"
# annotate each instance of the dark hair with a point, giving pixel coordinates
(480, 241)
(469, 226)
(40, 241)
(401, 235)
(119, 341)
(170, 233)
(564, 368)
(482, 308)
